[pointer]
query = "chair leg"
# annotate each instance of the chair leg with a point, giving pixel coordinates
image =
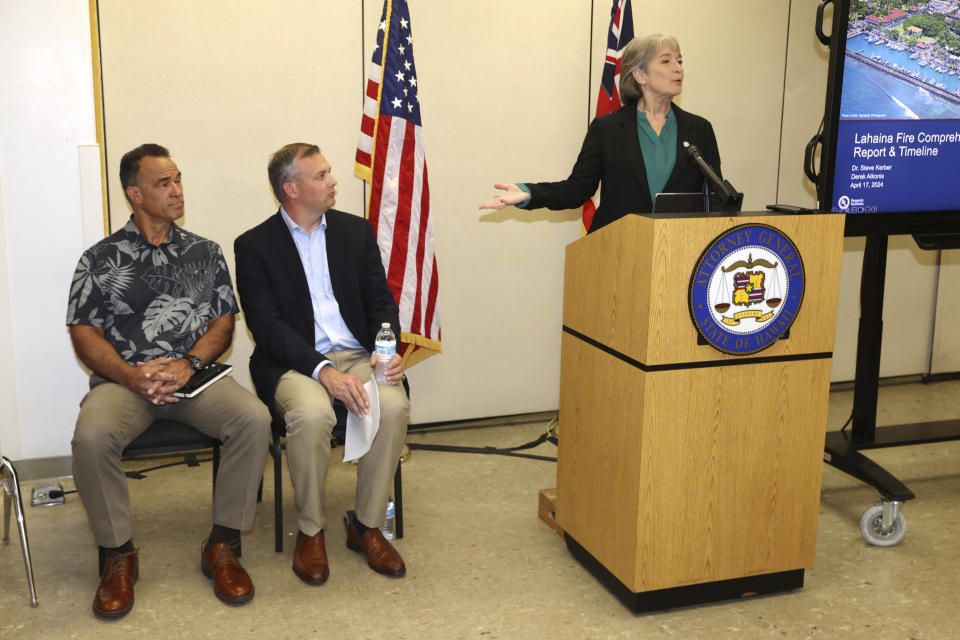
(398, 502)
(277, 496)
(6, 513)
(22, 525)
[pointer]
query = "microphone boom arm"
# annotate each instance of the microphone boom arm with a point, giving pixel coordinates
(730, 198)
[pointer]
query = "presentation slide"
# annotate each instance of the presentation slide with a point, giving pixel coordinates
(898, 138)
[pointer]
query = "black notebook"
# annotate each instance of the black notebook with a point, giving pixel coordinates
(203, 379)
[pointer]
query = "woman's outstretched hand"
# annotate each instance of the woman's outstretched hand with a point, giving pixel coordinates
(513, 195)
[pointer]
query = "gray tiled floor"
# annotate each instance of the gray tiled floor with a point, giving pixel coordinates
(482, 565)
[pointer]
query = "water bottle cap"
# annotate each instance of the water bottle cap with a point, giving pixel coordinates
(385, 325)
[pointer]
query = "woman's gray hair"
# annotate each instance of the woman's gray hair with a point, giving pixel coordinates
(638, 54)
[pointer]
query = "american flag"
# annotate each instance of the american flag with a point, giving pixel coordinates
(621, 32)
(390, 159)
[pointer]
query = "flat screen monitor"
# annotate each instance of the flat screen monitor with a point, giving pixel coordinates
(891, 141)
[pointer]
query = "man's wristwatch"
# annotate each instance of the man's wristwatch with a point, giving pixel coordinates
(195, 362)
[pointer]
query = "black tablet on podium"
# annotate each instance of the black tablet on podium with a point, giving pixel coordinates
(665, 204)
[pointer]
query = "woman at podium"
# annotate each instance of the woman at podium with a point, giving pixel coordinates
(635, 152)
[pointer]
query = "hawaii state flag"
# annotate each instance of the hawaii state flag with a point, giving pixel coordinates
(620, 33)
(390, 159)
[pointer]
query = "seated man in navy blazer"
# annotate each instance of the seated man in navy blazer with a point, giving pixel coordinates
(314, 293)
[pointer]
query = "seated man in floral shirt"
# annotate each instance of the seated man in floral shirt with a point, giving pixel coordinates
(149, 306)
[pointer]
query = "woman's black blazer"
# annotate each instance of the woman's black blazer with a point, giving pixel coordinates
(611, 153)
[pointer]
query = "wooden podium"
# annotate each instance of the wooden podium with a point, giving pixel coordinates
(685, 474)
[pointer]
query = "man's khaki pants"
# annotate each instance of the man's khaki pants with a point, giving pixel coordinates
(307, 409)
(112, 416)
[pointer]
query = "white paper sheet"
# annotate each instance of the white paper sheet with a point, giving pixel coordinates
(361, 431)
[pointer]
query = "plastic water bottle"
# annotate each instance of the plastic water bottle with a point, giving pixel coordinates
(386, 348)
(387, 528)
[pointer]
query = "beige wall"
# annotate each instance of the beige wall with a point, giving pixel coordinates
(504, 97)
(10, 439)
(728, 80)
(226, 90)
(946, 344)
(230, 89)
(46, 113)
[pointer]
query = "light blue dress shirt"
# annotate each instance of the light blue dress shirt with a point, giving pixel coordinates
(329, 330)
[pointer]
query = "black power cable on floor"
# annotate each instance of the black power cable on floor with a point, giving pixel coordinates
(547, 436)
(847, 423)
(189, 460)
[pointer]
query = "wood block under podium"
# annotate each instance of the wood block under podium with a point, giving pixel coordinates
(683, 472)
(547, 509)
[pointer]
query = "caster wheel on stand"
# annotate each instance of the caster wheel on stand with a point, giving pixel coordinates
(883, 524)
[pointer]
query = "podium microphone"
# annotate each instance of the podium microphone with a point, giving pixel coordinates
(728, 195)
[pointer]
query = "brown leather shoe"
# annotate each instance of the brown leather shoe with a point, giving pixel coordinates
(310, 559)
(231, 582)
(114, 597)
(381, 556)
